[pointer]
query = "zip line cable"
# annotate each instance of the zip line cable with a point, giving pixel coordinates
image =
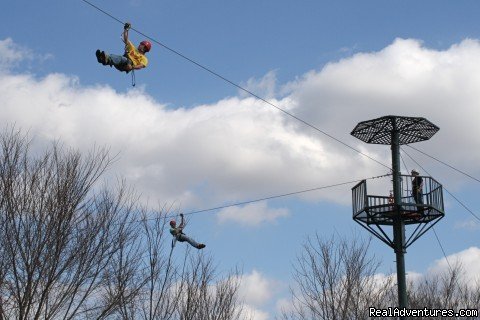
(270, 103)
(433, 228)
(288, 194)
(239, 86)
(271, 197)
(446, 164)
(300, 120)
(441, 247)
(305, 123)
(464, 206)
(456, 199)
(257, 200)
(283, 111)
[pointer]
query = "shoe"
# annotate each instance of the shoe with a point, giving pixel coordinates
(104, 57)
(201, 246)
(98, 53)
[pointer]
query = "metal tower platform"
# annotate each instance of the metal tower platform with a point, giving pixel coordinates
(421, 209)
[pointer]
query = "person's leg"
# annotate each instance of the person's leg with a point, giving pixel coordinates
(115, 60)
(192, 242)
(419, 198)
(415, 196)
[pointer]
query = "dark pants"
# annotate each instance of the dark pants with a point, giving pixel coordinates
(120, 62)
(417, 196)
(183, 238)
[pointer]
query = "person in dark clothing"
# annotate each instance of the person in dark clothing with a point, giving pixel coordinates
(417, 187)
(177, 232)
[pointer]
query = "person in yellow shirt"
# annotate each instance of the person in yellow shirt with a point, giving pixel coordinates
(132, 59)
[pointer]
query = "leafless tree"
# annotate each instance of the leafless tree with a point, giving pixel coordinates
(205, 298)
(450, 290)
(71, 249)
(181, 284)
(160, 275)
(336, 279)
(59, 238)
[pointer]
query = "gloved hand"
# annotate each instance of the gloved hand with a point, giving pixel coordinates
(127, 26)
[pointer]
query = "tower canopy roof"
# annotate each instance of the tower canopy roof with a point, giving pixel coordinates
(379, 131)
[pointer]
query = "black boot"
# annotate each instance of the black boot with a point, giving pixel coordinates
(98, 53)
(105, 59)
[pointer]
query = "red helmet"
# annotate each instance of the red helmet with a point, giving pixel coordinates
(173, 223)
(147, 45)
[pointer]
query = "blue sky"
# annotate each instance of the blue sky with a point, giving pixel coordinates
(189, 138)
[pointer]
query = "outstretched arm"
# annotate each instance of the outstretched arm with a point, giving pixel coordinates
(126, 27)
(182, 221)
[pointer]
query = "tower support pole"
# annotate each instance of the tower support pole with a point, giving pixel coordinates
(399, 226)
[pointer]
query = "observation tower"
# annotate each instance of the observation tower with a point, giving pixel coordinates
(413, 204)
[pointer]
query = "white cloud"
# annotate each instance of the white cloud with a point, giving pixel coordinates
(412, 276)
(469, 260)
(251, 313)
(265, 87)
(240, 148)
(234, 149)
(11, 54)
(251, 214)
(256, 289)
(405, 78)
(470, 225)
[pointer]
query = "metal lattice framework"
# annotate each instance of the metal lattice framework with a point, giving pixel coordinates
(411, 129)
(374, 211)
(398, 210)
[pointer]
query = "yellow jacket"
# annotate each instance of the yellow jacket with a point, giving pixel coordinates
(134, 55)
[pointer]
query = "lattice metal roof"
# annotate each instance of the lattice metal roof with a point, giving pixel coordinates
(410, 130)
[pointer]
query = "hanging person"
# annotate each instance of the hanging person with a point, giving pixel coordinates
(177, 232)
(132, 59)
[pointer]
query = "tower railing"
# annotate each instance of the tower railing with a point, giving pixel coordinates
(380, 209)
